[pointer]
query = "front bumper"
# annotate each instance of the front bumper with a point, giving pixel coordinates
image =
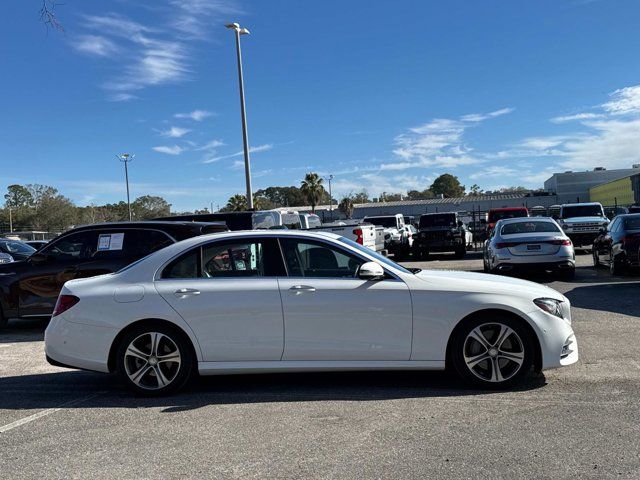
(558, 343)
(77, 345)
(582, 238)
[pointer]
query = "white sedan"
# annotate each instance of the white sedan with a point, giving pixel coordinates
(272, 301)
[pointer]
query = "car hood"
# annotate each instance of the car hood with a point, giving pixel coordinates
(487, 283)
(585, 220)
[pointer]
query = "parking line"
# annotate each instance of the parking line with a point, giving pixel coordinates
(43, 413)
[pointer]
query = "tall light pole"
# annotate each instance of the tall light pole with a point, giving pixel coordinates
(330, 198)
(126, 158)
(245, 136)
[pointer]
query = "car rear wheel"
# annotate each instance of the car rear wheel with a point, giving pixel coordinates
(615, 265)
(460, 252)
(154, 360)
(3, 321)
(492, 352)
(596, 258)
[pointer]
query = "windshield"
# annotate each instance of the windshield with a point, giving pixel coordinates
(502, 214)
(534, 226)
(9, 246)
(379, 258)
(386, 222)
(582, 211)
(444, 220)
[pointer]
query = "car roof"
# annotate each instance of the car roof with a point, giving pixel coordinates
(439, 213)
(505, 209)
(581, 203)
(526, 219)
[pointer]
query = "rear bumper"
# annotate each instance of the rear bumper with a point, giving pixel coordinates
(559, 266)
(76, 345)
(438, 245)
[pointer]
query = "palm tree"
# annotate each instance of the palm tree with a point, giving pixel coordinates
(312, 189)
(346, 206)
(237, 203)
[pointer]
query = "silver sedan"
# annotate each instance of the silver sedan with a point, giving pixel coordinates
(524, 244)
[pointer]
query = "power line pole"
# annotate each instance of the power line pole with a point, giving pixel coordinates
(245, 135)
(126, 158)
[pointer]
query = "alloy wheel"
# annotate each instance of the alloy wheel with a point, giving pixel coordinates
(493, 352)
(152, 361)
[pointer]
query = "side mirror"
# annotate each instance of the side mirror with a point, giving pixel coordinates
(371, 271)
(460, 223)
(38, 258)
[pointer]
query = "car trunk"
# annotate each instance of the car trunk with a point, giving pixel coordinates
(533, 244)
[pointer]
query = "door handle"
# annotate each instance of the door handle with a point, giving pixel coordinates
(183, 292)
(298, 289)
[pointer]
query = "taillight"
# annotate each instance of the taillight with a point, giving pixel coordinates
(566, 242)
(64, 303)
(358, 233)
(507, 244)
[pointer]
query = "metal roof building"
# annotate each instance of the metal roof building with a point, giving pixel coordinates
(571, 187)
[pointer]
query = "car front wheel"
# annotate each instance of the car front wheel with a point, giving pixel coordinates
(492, 352)
(154, 360)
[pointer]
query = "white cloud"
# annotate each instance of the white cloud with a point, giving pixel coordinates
(121, 97)
(576, 117)
(479, 117)
(259, 148)
(169, 150)
(624, 101)
(543, 143)
(95, 45)
(197, 115)
(195, 18)
(175, 132)
(213, 144)
(494, 171)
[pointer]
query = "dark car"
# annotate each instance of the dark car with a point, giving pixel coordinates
(17, 249)
(617, 245)
(37, 244)
(258, 220)
(29, 288)
(441, 232)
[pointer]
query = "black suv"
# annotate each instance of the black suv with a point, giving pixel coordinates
(441, 232)
(29, 288)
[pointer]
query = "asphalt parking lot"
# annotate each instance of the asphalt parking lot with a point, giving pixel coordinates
(580, 422)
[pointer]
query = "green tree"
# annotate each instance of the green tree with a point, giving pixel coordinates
(360, 197)
(149, 206)
(447, 185)
(475, 189)
(18, 196)
(236, 203)
(420, 195)
(283, 196)
(313, 189)
(346, 206)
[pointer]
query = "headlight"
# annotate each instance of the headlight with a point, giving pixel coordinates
(6, 258)
(550, 305)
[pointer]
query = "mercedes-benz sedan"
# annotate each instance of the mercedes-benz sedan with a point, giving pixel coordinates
(525, 244)
(271, 301)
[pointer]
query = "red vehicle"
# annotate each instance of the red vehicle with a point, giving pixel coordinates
(496, 214)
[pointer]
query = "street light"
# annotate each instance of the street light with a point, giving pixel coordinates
(126, 158)
(330, 198)
(245, 136)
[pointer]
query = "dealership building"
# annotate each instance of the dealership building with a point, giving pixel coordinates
(571, 187)
(624, 191)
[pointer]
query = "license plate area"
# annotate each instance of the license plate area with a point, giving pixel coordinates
(533, 247)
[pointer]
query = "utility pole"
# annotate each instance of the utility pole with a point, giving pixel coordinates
(126, 158)
(245, 135)
(330, 198)
(10, 221)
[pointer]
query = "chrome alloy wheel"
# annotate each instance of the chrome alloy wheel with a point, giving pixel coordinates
(493, 352)
(152, 360)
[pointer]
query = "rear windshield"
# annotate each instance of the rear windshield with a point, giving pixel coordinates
(445, 220)
(386, 222)
(531, 226)
(500, 215)
(582, 211)
(632, 223)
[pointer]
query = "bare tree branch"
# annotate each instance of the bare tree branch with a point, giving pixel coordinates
(48, 16)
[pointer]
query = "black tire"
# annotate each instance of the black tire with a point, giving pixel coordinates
(485, 265)
(511, 371)
(460, 252)
(596, 258)
(3, 321)
(178, 375)
(615, 266)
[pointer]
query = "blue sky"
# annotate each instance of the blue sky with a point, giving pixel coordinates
(383, 95)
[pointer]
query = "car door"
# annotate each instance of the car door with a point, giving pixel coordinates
(55, 264)
(228, 293)
(331, 314)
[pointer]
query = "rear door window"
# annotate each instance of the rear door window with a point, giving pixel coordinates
(77, 246)
(129, 244)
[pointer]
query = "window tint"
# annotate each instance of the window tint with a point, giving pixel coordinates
(77, 246)
(305, 258)
(10, 246)
(233, 259)
(532, 226)
(130, 244)
(185, 266)
(632, 223)
(613, 225)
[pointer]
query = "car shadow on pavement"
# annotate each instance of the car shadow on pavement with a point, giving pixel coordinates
(31, 330)
(84, 390)
(616, 297)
